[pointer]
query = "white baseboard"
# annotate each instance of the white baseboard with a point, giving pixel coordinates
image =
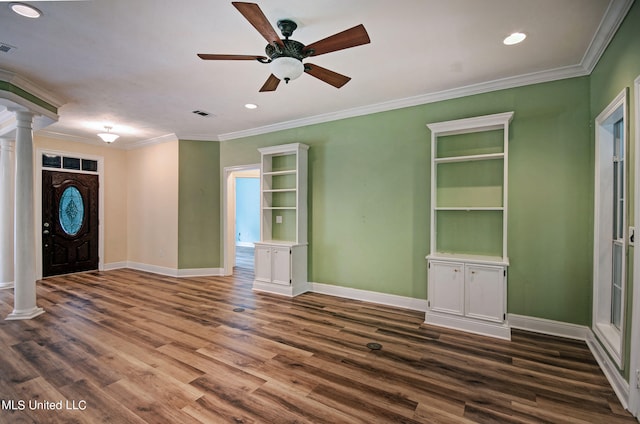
(172, 272)
(281, 289)
(483, 328)
(371, 296)
(201, 272)
(549, 327)
(610, 370)
(114, 265)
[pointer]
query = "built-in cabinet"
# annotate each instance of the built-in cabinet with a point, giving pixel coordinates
(468, 261)
(281, 253)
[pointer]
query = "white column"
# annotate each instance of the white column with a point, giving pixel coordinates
(6, 212)
(24, 299)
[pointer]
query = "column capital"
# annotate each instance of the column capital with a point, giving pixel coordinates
(7, 144)
(24, 118)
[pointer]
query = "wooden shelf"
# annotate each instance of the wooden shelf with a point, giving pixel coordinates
(470, 158)
(469, 208)
(286, 172)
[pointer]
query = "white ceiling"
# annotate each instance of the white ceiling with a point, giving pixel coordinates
(132, 64)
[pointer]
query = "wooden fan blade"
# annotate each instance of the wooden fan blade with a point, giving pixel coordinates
(205, 56)
(330, 77)
(254, 15)
(352, 37)
(271, 84)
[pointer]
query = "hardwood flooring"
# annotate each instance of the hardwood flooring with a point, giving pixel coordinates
(132, 347)
(244, 257)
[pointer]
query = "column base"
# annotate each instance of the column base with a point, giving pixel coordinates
(28, 314)
(8, 285)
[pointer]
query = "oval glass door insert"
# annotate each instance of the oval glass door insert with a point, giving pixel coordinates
(71, 212)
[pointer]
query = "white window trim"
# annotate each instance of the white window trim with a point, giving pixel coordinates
(634, 391)
(611, 338)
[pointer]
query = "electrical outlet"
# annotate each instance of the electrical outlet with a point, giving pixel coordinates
(278, 219)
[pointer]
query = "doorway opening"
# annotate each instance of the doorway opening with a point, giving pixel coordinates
(241, 216)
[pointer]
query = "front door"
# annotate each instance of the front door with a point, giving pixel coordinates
(69, 222)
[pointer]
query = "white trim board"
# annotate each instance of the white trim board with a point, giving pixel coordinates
(171, 272)
(371, 296)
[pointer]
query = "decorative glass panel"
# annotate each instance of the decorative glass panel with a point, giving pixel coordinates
(71, 212)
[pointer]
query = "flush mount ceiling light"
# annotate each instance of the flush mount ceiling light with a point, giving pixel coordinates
(251, 106)
(108, 137)
(515, 38)
(26, 10)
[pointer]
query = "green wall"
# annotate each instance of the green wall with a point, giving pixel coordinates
(199, 205)
(369, 196)
(617, 69)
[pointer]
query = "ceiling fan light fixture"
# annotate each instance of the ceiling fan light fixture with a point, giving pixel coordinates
(25, 10)
(286, 68)
(108, 137)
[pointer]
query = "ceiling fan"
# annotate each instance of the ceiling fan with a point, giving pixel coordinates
(285, 56)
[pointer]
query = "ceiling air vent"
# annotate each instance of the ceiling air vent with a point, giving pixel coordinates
(202, 113)
(5, 48)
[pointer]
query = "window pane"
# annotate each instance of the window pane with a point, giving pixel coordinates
(51, 161)
(89, 165)
(616, 287)
(71, 163)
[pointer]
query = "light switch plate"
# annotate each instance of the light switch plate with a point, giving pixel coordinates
(278, 219)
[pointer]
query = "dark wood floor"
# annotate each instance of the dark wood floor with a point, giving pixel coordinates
(132, 347)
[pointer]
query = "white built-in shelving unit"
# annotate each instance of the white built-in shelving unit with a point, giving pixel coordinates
(281, 253)
(467, 275)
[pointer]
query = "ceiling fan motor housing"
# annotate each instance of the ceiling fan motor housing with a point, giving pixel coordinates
(292, 48)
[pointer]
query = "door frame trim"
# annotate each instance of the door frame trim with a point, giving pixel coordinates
(229, 211)
(38, 200)
(634, 322)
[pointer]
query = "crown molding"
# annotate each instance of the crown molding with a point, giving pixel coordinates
(469, 90)
(198, 137)
(611, 21)
(609, 24)
(31, 88)
(151, 141)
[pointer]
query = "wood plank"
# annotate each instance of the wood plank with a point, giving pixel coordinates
(144, 348)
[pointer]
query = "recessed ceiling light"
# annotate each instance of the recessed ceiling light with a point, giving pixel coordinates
(25, 10)
(251, 106)
(515, 38)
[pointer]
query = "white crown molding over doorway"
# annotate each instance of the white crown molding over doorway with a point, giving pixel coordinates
(229, 210)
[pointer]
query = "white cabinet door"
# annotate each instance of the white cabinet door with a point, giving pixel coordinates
(262, 256)
(484, 292)
(446, 287)
(281, 265)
